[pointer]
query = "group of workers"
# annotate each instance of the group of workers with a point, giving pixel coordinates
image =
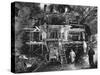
(72, 57)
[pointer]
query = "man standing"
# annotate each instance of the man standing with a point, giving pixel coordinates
(72, 56)
(91, 54)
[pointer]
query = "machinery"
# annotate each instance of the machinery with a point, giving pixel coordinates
(57, 37)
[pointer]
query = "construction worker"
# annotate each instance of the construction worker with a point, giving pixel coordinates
(90, 55)
(72, 56)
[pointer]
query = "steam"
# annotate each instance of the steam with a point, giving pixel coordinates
(42, 6)
(24, 12)
(20, 21)
(18, 42)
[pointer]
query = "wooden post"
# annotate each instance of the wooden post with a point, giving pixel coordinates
(30, 41)
(42, 47)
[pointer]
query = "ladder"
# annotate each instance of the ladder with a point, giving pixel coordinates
(63, 57)
(62, 53)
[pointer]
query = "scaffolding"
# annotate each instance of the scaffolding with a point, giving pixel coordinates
(53, 38)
